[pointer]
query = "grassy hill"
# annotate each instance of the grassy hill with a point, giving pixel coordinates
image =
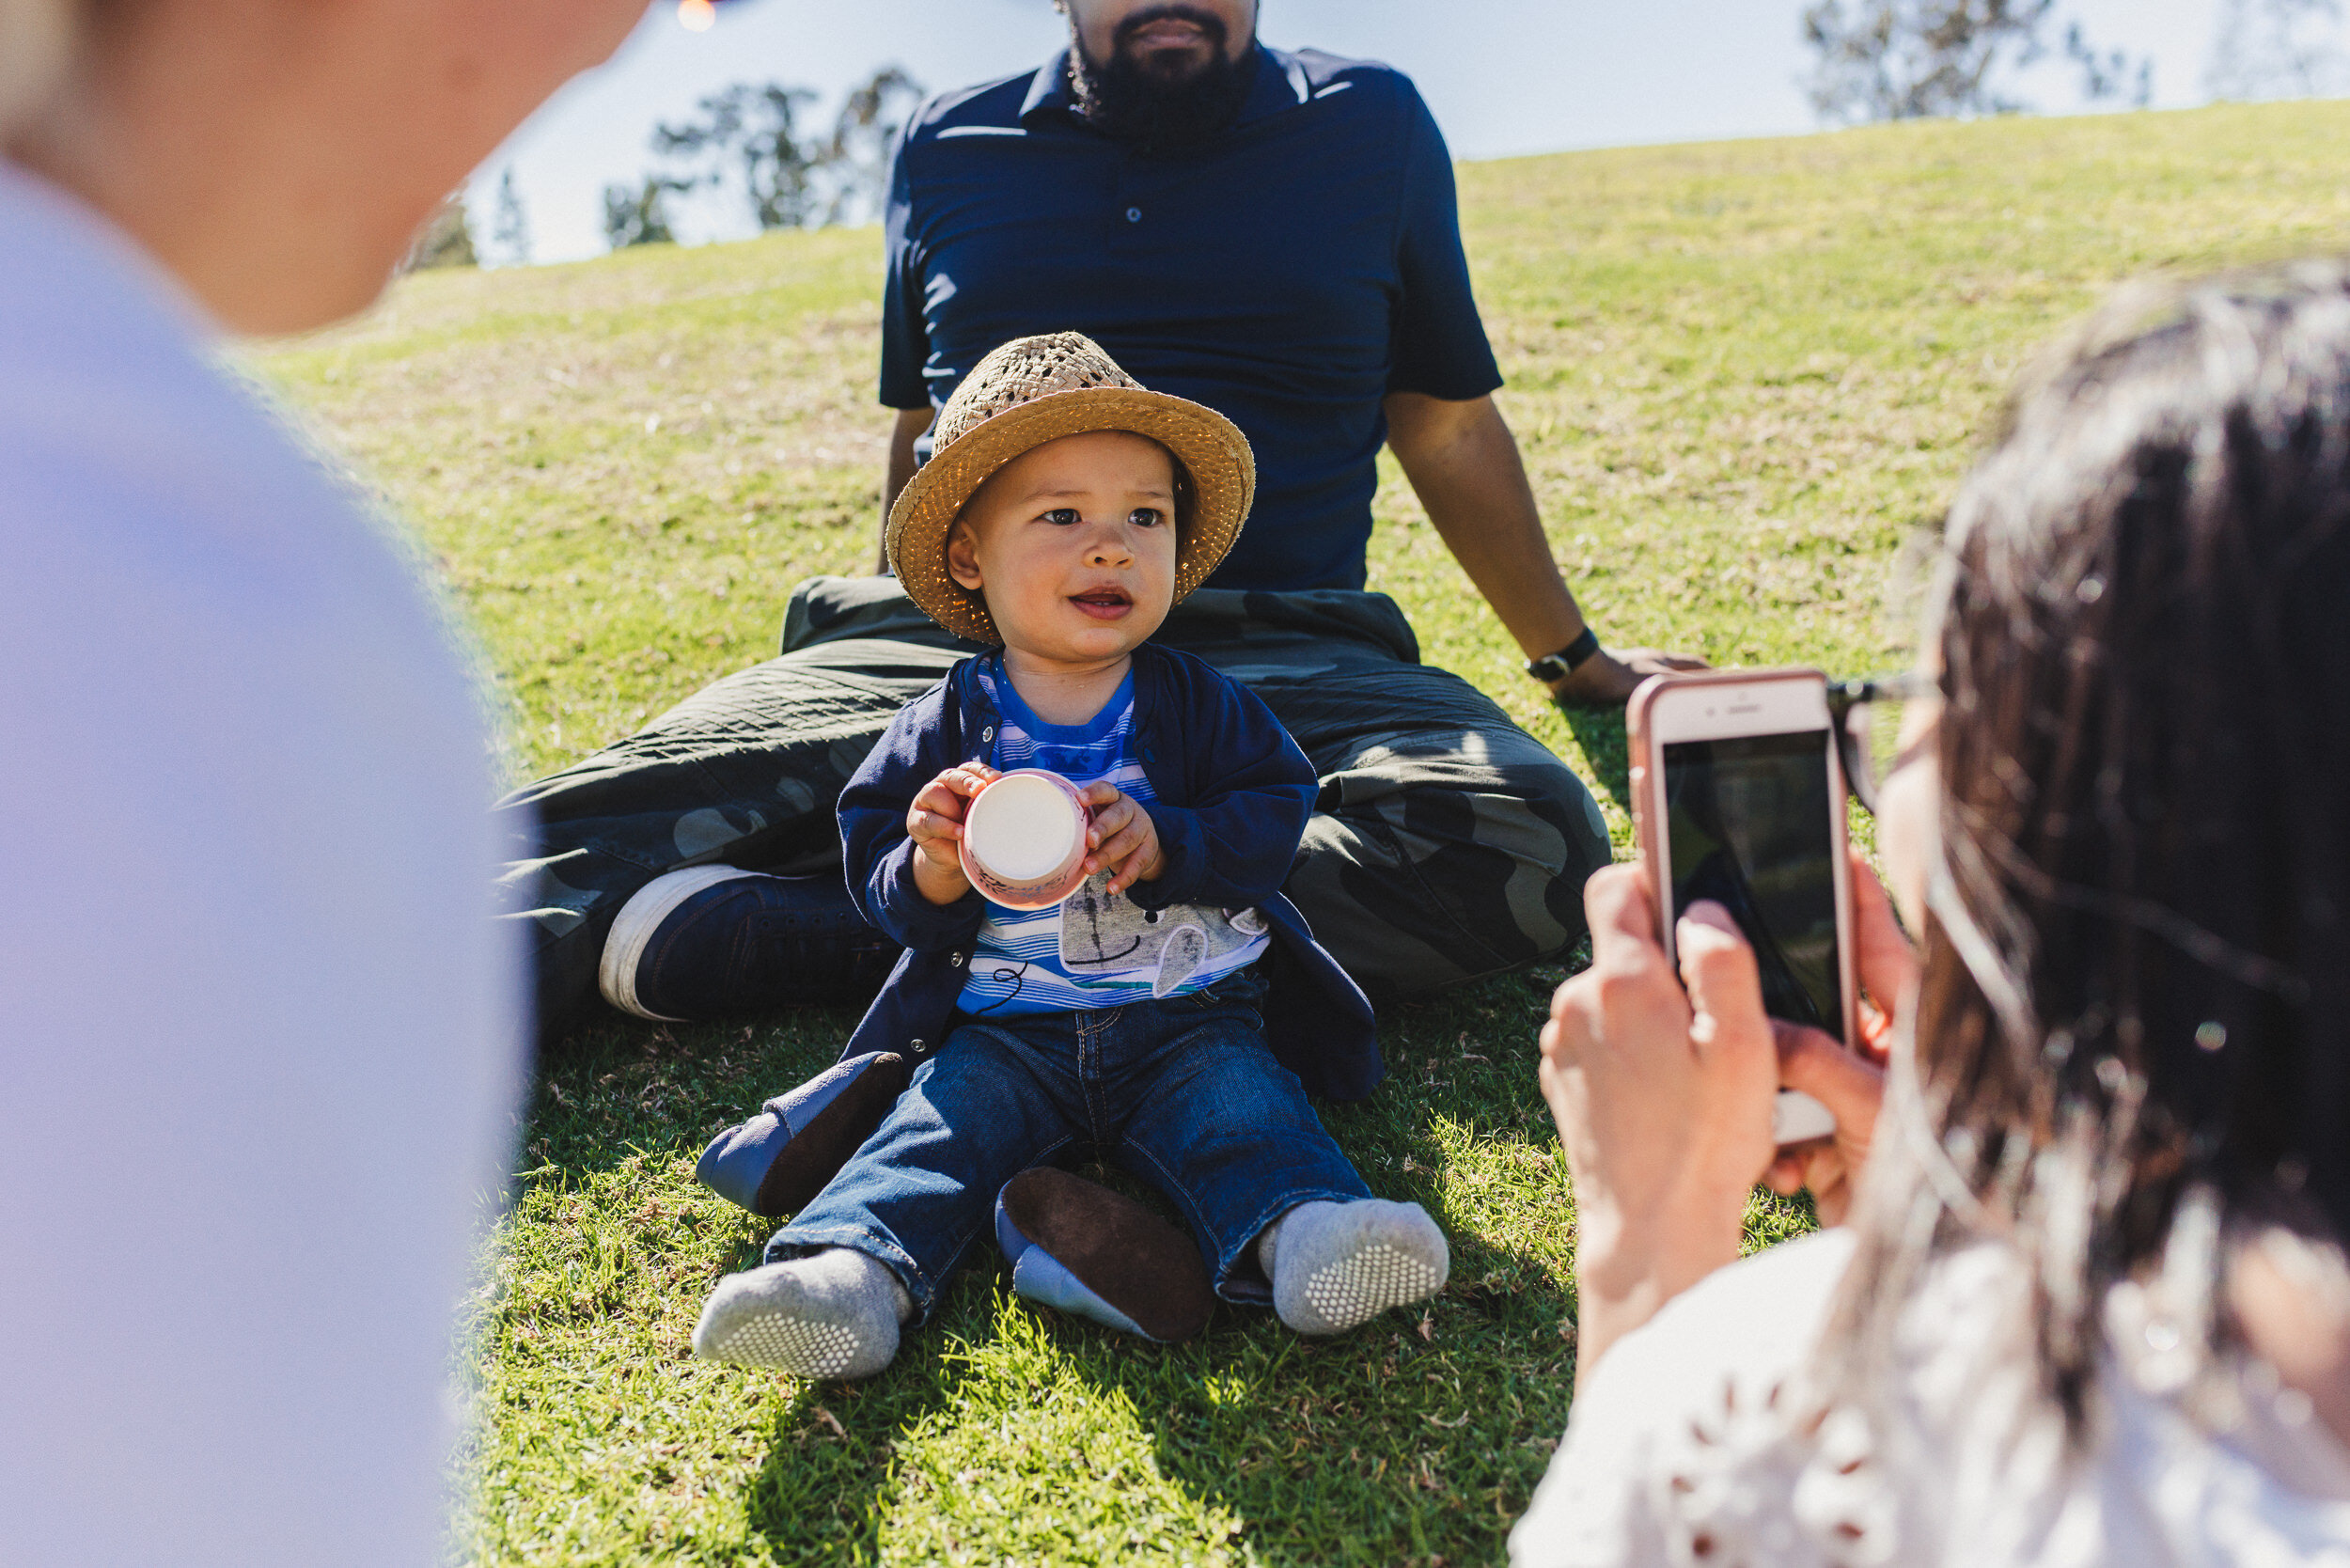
(1742, 374)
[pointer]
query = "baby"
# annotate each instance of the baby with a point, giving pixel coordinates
(1169, 1015)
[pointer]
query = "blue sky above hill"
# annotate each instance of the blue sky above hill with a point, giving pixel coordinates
(1504, 76)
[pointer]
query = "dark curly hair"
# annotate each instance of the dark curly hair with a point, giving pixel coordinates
(2136, 960)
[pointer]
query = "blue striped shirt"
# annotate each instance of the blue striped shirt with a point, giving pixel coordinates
(1098, 950)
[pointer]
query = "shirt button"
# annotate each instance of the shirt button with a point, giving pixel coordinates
(1134, 215)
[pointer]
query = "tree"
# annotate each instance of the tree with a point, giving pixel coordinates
(749, 137)
(2110, 73)
(445, 240)
(2271, 49)
(856, 158)
(755, 128)
(1910, 59)
(638, 217)
(513, 230)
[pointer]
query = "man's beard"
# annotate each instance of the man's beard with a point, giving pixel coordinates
(1127, 100)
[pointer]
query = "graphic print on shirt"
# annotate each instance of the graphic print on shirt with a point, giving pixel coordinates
(1098, 950)
(1106, 933)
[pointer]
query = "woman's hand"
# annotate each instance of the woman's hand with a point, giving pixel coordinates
(1663, 1098)
(1850, 1083)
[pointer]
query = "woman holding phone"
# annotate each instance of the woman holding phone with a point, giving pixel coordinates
(2091, 1305)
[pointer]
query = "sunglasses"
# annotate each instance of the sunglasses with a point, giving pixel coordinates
(1867, 716)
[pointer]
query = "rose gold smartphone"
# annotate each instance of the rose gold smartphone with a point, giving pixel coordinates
(1738, 796)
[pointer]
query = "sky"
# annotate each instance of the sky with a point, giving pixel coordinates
(1504, 77)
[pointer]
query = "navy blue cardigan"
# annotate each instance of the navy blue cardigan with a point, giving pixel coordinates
(1234, 794)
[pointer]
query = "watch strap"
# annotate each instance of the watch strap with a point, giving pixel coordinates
(1559, 666)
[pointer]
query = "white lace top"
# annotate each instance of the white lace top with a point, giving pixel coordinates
(1694, 1444)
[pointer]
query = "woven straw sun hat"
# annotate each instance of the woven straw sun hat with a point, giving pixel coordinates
(1037, 389)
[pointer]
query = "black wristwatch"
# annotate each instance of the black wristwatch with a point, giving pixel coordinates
(1559, 666)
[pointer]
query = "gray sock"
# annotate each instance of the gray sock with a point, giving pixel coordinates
(834, 1313)
(1336, 1265)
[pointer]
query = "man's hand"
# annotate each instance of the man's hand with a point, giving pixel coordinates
(935, 822)
(1851, 1084)
(1607, 680)
(1124, 836)
(1663, 1098)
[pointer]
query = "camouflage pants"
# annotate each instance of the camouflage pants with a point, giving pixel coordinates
(1447, 843)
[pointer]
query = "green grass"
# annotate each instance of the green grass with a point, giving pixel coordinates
(1741, 373)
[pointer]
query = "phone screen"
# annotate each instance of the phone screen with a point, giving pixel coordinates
(1749, 827)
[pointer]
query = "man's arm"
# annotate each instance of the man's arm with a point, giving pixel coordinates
(911, 422)
(1464, 464)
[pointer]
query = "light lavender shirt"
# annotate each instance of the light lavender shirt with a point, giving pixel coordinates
(258, 1034)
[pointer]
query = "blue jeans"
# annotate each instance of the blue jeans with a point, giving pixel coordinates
(1184, 1093)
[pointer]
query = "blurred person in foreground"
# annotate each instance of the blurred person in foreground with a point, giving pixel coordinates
(2091, 1303)
(259, 1037)
(1274, 235)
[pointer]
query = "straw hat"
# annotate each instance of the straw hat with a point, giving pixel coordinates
(1037, 389)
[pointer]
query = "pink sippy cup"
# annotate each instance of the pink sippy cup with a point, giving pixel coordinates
(1024, 839)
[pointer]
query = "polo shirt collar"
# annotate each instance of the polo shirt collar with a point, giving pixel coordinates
(1049, 89)
(1281, 84)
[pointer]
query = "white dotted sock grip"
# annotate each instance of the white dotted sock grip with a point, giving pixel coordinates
(1335, 1266)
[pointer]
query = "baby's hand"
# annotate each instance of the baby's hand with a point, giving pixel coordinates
(1122, 836)
(935, 822)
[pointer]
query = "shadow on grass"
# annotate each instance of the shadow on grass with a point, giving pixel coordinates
(622, 1086)
(1415, 1436)
(1601, 734)
(1420, 1434)
(1006, 1432)
(1011, 1432)
(825, 1489)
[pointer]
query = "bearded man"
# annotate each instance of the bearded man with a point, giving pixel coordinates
(1274, 235)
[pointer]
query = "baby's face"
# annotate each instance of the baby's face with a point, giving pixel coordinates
(1072, 543)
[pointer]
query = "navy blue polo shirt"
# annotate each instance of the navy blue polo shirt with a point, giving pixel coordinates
(1289, 275)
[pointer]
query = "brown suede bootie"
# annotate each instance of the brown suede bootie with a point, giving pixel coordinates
(1097, 1254)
